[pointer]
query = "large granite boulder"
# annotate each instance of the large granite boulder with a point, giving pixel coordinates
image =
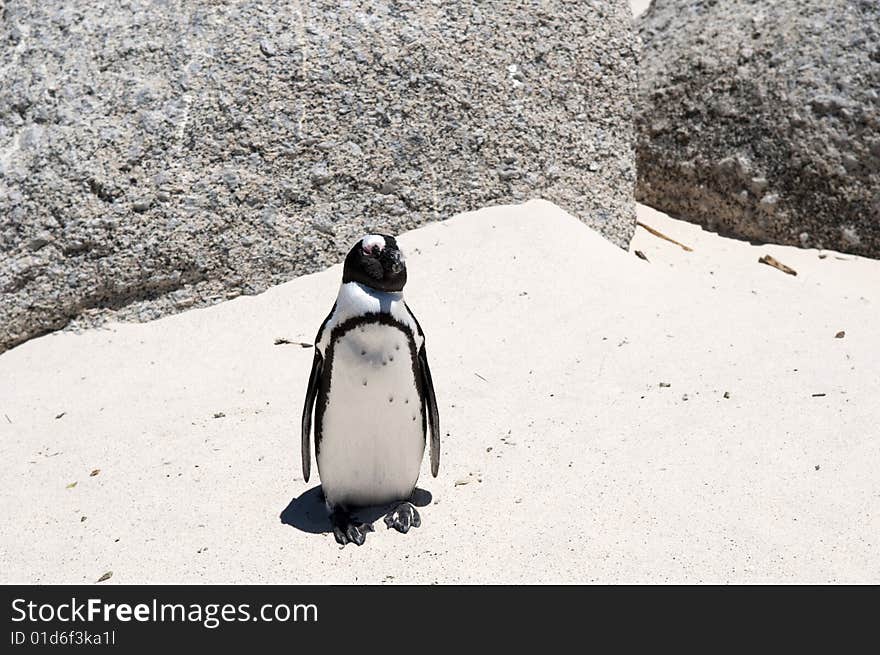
(156, 156)
(762, 119)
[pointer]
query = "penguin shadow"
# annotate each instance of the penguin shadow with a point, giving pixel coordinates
(308, 513)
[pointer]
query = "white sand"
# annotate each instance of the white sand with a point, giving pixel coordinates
(547, 345)
(639, 6)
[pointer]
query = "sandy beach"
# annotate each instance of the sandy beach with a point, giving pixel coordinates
(639, 6)
(692, 418)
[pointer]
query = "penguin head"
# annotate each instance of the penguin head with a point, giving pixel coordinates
(376, 262)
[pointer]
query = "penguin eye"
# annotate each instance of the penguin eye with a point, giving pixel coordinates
(372, 245)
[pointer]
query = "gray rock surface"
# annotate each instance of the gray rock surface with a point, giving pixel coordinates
(156, 156)
(762, 119)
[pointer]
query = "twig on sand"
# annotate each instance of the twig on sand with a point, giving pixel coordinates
(481, 377)
(770, 261)
(281, 341)
(7, 418)
(657, 233)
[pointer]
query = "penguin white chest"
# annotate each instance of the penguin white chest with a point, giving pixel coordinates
(372, 438)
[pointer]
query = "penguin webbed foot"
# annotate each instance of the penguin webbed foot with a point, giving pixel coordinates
(403, 517)
(348, 531)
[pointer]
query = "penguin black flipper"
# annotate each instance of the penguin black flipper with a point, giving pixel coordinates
(311, 394)
(430, 404)
(429, 399)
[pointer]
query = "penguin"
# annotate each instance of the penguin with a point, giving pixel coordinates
(372, 396)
